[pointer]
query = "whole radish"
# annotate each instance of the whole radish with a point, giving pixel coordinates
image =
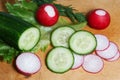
(98, 19)
(47, 15)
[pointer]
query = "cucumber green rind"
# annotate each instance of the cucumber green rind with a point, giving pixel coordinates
(59, 60)
(60, 36)
(82, 42)
(11, 29)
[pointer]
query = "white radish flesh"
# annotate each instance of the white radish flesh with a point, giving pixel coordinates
(93, 63)
(102, 42)
(116, 57)
(109, 52)
(50, 11)
(78, 60)
(100, 12)
(28, 63)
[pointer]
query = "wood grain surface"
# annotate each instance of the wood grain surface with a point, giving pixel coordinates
(111, 70)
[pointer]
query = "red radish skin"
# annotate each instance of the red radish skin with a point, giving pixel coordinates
(102, 42)
(116, 57)
(47, 15)
(28, 63)
(92, 63)
(78, 61)
(109, 52)
(98, 19)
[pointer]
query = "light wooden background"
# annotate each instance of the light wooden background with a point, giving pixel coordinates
(111, 70)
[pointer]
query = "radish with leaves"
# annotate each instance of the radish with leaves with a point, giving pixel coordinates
(28, 63)
(98, 19)
(47, 15)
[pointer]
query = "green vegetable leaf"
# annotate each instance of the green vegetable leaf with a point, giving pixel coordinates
(24, 13)
(78, 26)
(42, 45)
(7, 53)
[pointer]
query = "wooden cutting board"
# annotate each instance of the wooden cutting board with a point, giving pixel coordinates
(111, 70)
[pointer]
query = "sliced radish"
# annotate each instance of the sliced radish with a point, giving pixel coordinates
(109, 52)
(102, 42)
(28, 63)
(93, 63)
(116, 57)
(78, 60)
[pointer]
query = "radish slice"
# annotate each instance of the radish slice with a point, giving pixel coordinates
(78, 60)
(28, 63)
(116, 57)
(109, 52)
(102, 42)
(92, 63)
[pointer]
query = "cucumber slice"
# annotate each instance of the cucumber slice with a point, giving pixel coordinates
(29, 38)
(60, 36)
(59, 60)
(82, 42)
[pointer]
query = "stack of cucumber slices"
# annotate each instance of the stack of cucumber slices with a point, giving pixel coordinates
(66, 42)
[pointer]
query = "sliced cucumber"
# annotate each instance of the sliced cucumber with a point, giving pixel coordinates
(29, 38)
(59, 60)
(82, 42)
(60, 36)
